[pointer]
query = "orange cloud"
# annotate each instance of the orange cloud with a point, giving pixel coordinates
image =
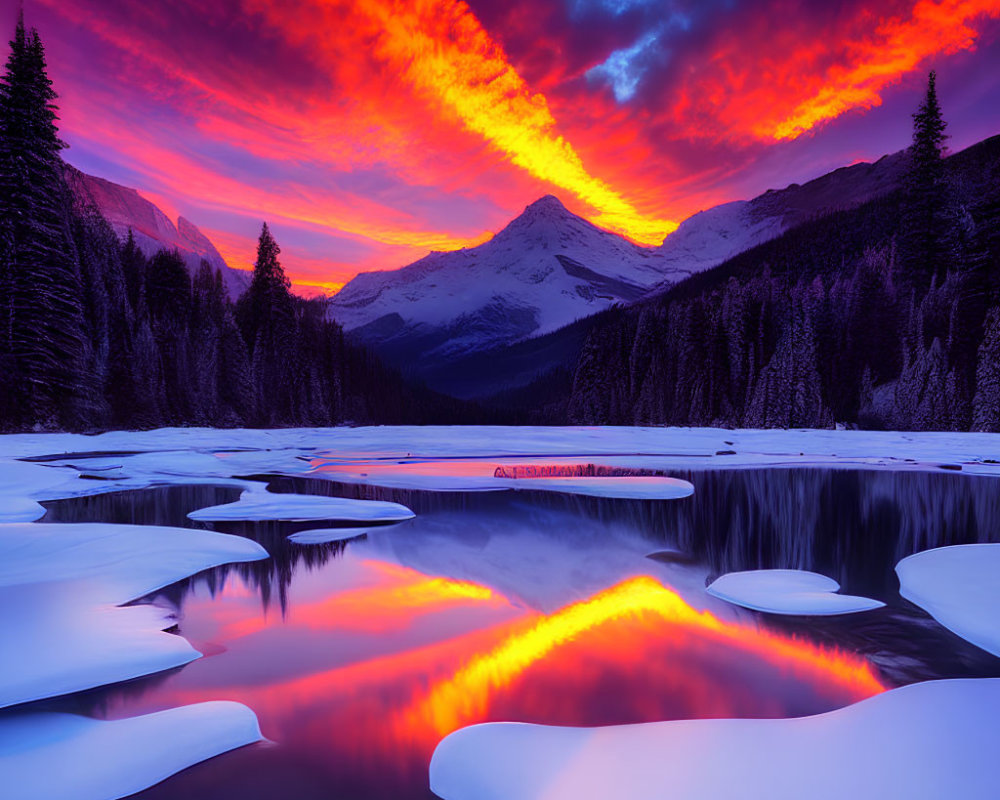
(442, 51)
(896, 47)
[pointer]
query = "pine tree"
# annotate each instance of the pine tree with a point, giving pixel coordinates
(42, 342)
(266, 313)
(924, 230)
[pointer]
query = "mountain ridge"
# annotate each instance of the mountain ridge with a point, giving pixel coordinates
(549, 267)
(125, 209)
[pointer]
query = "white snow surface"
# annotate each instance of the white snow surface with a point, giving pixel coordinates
(206, 455)
(925, 741)
(44, 756)
(61, 589)
(256, 506)
(325, 535)
(960, 587)
(20, 480)
(788, 591)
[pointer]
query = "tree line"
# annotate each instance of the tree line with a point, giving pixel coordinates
(93, 334)
(883, 316)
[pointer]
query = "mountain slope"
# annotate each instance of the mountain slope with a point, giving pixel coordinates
(545, 269)
(549, 267)
(708, 238)
(126, 209)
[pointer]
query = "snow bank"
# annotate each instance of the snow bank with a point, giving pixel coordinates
(199, 455)
(62, 627)
(960, 587)
(123, 562)
(787, 591)
(325, 535)
(265, 506)
(631, 488)
(47, 755)
(20, 481)
(923, 742)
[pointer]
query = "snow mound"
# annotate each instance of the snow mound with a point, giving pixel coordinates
(266, 506)
(788, 591)
(325, 535)
(123, 562)
(923, 742)
(61, 589)
(49, 755)
(960, 587)
(630, 488)
(19, 481)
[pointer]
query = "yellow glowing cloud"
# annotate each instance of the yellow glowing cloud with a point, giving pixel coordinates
(443, 51)
(898, 46)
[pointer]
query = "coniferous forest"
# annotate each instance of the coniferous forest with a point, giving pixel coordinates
(95, 335)
(885, 316)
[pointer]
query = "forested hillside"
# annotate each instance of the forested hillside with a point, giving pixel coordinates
(884, 316)
(93, 334)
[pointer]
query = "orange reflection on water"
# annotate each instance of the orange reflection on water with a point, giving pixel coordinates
(398, 596)
(464, 697)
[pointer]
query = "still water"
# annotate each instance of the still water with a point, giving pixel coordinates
(359, 656)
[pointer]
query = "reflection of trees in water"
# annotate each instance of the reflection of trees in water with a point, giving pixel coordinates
(270, 578)
(853, 525)
(169, 505)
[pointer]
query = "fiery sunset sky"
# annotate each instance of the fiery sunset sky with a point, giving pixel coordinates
(370, 132)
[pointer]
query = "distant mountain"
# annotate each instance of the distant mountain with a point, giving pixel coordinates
(711, 237)
(549, 267)
(545, 269)
(126, 209)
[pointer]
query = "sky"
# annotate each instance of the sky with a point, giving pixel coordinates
(368, 133)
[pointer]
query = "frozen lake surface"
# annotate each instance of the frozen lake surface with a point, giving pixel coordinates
(506, 600)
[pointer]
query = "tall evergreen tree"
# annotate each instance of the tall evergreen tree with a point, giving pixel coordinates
(42, 346)
(266, 313)
(924, 230)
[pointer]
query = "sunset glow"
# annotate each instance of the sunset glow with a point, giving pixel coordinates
(464, 697)
(369, 133)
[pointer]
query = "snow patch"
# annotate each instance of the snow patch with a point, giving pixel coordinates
(325, 535)
(61, 589)
(923, 742)
(50, 755)
(960, 587)
(20, 481)
(788, 591)
(266, 506)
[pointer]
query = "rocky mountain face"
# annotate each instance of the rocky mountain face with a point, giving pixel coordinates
(125, 209)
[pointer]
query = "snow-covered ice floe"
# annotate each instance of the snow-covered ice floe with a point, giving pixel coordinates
(326, 535)
(630, 488)
(267, 506)
(788, 591)
(19, 481)
(960, 587)
(45, 755)
(925, 741)
(62, 624)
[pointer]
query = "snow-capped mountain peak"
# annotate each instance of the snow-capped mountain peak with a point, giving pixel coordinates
(546, 268)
